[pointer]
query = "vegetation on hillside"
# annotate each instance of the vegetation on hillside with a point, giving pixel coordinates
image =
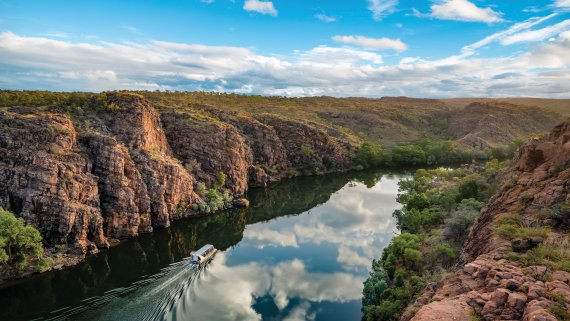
(438, 208)
(20, 245)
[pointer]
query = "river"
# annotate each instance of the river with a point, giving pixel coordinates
(300, 252)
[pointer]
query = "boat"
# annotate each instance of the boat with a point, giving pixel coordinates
(204, 254)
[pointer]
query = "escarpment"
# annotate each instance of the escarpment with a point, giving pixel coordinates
(208, 146)
(310, 149)
(45, 180)
(514, 265)
(117, 167)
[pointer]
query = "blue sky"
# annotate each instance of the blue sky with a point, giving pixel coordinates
(438, 48)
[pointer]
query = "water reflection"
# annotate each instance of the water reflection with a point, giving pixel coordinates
(300, 252)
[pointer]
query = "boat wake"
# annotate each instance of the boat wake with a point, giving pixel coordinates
(151, 298)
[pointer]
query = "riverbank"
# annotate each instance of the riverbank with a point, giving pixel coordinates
(513, 264)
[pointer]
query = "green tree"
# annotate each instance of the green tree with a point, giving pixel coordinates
(371, 154)
(18, 241)
(409, 154)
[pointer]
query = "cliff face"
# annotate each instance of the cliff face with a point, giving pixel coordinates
(535, 191)
(115, 169)
(45, 180)
(309, 148)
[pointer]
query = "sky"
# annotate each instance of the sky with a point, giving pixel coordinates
(370, 48)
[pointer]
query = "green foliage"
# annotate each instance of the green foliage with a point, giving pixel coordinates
(409, 154)
(433, 201)
(459, 223)
(511, 227)
(221, 179)
(201, 189)
(19, 242)
(371, 154)
(307, 152)
(445, 254)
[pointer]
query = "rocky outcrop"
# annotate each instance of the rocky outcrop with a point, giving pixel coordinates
(125, 203)
(44, 179)
(136, 124)
(208, 146)
(267, 153)
(309, 148)
(486, 283)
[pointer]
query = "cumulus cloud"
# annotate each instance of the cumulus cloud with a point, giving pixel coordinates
(325, 18)
(61, 64)
(263, 7)
(236, 287)
(463, 10)
(382, 8)
(372, 43)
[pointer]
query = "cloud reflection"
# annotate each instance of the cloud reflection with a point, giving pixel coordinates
(228, 292)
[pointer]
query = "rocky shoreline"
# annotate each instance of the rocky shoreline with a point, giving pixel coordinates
(506, 271)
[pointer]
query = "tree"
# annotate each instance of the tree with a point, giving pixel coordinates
(408, 154)
(371, 154)
(18, 241)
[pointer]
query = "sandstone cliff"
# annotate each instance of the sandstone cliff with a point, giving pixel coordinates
(116, 167)
(492, 284)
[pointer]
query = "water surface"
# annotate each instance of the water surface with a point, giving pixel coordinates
(300, 252)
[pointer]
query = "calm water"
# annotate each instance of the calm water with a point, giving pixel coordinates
(300, 252)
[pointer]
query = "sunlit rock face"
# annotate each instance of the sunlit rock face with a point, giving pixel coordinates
(490, 285)
(45, 180)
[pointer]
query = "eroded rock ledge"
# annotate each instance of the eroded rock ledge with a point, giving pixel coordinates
(488, 286)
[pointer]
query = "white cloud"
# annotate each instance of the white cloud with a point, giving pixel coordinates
(263, 7)
(268, 237)
(325, 18)
(463, 10)
(372, 43)
(207, 1)
(43, 63)
(562, 3)
(236, 286)
(382, 8)
(511, 31)
(133, 30)
(537, 35)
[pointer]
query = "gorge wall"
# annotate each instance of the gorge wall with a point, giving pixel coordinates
(88, 176)
(490, 283)
(90, 169)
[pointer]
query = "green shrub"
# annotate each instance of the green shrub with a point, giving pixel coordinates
(459, 223)
(511, 227)
(221, 180)
(201, 189)
(18, 242)
(408, 154)
(445, 254)
(371, 154)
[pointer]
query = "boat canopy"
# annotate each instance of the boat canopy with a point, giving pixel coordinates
(204, 250)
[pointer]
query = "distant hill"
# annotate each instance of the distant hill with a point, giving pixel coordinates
(561, 106)
(490, 124)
